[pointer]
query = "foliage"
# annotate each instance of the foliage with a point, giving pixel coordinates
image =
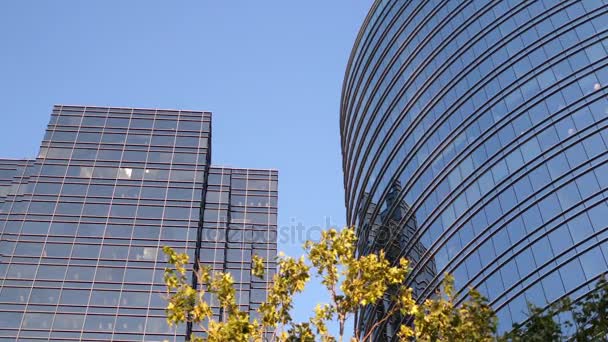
(441, 320)
(588, 322)
(352, 282)
(189, 304)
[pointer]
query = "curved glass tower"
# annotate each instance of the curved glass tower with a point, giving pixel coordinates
(474, 141)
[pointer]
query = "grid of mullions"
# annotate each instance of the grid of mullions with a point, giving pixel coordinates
(9, 169)
(493, 117)
(239, 221)
(81, 238)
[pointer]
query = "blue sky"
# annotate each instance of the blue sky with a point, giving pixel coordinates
(270, 71)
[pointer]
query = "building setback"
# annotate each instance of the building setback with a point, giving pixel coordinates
(474, 142)
(82, 225)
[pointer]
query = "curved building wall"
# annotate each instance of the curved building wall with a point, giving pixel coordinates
(479, 129)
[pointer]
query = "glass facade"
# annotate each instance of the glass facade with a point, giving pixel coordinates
(82, 225)
(240, 220)
(487, 120)
(9, 169)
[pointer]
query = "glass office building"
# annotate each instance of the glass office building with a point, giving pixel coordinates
(487, 120)
(240, 220)
(82, 225)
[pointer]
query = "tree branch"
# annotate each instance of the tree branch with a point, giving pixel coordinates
(388, 315)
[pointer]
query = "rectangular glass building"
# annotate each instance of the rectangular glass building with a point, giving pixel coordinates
(82, 225)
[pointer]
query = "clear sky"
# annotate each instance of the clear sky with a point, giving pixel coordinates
(270, 71)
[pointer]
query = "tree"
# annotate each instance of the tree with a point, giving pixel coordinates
(588, 319)
(352, 283)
